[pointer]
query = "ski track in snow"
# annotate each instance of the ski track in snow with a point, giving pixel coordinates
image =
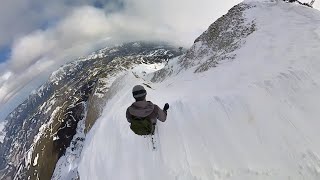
(256, 117)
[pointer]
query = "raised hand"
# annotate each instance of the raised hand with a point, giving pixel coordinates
(166, 107)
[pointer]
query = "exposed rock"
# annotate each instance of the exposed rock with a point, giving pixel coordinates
(219, 42)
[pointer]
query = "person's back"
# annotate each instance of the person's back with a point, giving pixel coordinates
(143, 115)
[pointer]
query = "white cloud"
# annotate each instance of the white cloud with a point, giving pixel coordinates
(29, 49)
(183, 20)
(42, 50)
(21, 17)
(82, 27)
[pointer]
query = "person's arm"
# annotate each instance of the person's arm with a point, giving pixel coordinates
(162, 115)
(128, 115)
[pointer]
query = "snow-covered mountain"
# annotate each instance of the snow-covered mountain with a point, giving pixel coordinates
(44, 127)
(244, 105)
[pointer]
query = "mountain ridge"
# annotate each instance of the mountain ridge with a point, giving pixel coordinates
(254, 116)
(58, 105)
(247, 67)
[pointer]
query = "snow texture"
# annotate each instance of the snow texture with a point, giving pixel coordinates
(255, 117)
(35, 161)
(2, 132)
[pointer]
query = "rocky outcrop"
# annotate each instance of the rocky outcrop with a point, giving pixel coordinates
(216, 44)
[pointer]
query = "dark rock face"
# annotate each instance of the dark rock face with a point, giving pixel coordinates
(39, 131)
(73, 114)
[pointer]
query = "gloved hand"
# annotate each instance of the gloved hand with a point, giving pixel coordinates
(166, 107)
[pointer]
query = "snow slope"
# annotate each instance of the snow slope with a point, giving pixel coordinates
(253, 117)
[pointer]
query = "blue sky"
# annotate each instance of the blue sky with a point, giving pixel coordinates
(4, 53)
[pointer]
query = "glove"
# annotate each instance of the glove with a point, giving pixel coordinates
(166, 107)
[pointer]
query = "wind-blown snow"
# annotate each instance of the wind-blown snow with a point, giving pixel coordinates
(2, 133)
(143, 70)
(256, 117)
(35, 161)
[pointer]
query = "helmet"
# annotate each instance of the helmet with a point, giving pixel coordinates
(138, 91)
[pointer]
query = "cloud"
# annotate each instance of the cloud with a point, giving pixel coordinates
(55, 32)
(44, 49)
(21, 17)
(82, 26)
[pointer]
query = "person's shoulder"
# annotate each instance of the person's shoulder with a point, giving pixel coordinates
(129, 106)
(150, 102)
(155, 106)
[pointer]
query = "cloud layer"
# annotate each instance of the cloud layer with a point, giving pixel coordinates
(46, 34)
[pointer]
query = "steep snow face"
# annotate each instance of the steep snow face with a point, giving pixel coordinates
(253, 117)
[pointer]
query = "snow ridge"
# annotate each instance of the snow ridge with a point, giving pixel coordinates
(255, 117)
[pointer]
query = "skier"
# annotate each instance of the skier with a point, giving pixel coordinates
(142, 115)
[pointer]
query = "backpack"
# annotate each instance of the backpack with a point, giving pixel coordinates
(142, 126)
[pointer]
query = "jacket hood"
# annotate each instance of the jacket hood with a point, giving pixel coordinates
(141, 108)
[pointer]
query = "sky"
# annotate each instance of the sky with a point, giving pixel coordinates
(38, 36)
